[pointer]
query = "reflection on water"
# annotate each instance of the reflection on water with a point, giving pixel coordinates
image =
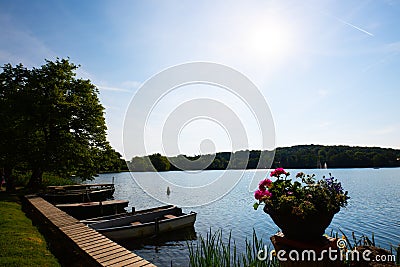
(173, 238)
(373, 208)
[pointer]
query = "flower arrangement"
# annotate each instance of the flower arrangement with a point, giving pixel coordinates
(300, 198)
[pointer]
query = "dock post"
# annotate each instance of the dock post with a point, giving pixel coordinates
(157, 226)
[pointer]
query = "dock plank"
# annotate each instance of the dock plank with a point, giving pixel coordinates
(93, 244)
(76, 233)
(85, 240)
(103, 248)
(77, 229)
(99, 253)
(115, 260)
(127, 262)
(135, 263)
(118, 254)
(80, 232)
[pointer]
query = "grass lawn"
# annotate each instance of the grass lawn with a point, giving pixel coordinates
(21, 244)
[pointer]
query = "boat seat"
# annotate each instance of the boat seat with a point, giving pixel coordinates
(135, 223)
(170, 216)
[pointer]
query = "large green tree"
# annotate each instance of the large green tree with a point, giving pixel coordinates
(13, 128)
(60, 122)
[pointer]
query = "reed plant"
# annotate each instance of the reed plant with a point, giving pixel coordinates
(212, 250)
(364, 241)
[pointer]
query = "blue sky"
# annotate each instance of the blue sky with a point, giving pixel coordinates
(329, 70)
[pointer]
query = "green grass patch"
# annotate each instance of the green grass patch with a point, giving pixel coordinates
(21, 244)
(52, 179)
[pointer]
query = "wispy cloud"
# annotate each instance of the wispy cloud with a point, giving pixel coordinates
(84, 74)
(114, 89)
(393, 47)
(21, 46)
(131, 84)
(126, 87)
(389, 52)
(352, 25)
(347, 23)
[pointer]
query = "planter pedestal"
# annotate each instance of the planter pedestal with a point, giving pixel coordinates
(285, 247)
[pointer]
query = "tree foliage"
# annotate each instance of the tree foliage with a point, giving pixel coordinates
(53, 122)
(315, 156)
(13, 125)
(295, 157)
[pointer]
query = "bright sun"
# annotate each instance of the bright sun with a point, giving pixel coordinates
(270, 39)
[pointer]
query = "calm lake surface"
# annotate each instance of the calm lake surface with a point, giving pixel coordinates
(374, 207)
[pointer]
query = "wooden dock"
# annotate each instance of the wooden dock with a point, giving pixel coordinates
(90, 247)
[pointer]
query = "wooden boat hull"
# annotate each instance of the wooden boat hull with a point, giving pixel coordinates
(120, 215)
(150, 229)
(179, 235)
(144, 225)
(94, 209)
(79, 193)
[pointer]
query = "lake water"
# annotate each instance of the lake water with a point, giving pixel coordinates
(374, 207)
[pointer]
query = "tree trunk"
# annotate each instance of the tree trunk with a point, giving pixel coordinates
(35, 182)
(10, 183)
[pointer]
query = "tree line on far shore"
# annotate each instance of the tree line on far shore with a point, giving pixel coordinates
(51, 122)
(295, 157)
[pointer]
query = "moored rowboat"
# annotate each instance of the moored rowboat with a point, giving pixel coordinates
(94, 209)
(144, 225)
(78, 193)
(125, 214)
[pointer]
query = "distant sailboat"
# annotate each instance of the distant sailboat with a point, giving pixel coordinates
(325, 166)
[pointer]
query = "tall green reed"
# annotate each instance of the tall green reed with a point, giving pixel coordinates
(212, 250)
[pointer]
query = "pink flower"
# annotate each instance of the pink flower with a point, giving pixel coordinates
(264, 184)
(277, 172)
(259, 194)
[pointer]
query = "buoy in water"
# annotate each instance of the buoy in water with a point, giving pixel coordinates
(168, 191)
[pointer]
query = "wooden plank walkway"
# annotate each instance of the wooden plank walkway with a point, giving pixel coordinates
(102, 250)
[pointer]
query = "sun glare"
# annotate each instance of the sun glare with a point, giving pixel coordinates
(271, 39)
